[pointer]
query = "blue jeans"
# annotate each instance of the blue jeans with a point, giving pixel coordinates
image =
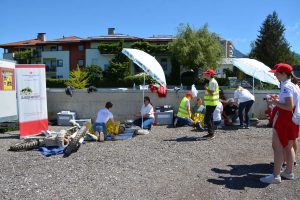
(101, 127)
(184, 121)
(147, 123)
(245, 106)
(217, 123)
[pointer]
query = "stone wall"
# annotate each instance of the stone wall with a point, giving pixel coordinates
(127, 102)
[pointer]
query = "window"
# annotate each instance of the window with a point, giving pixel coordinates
(59, 48)
(38, 51)
(60, 63)
(53, 63)
(164, 64)
(80, 62)
(53, 48)
(80, 47)
(106, 67)
(59, 76)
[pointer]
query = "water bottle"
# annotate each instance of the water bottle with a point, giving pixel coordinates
(181, 86)
(133, 86)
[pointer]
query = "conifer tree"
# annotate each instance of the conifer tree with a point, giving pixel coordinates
(271, 47)
(78, 78)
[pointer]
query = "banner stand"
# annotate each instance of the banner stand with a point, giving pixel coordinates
(32, 99)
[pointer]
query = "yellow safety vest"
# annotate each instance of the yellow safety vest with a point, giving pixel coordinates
(182, 112)
(212, 100)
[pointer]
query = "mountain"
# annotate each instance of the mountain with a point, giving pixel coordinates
(238, 54)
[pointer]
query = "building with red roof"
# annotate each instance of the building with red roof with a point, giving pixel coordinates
(64, 54)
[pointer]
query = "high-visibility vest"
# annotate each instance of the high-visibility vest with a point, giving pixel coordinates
(212, 100)
(182, 112)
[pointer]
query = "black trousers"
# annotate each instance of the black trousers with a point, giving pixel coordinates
(208, 119)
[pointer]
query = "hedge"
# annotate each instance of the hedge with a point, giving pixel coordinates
(56, 83)
(129, 81)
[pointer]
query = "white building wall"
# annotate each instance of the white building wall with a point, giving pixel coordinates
(93, 57)
(226, 63)
(59, 55)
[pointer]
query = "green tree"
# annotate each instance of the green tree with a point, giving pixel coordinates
(23, 57)
(175, 72)
(78, 78)
(196, 49)
(95, 74)
(296, 59)
(271, 47)
(119, 68)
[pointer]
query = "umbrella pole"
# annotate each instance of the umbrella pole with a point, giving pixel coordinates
(143, 102)
(253, 94)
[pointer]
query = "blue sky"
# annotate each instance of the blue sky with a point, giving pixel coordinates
(235, 20)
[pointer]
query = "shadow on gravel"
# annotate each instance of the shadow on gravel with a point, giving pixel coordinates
(184, 139)
(242, 176)
(263, 126)
(2, 137)
(229, 128)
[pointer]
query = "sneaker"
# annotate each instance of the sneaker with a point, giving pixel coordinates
(290, 176)
(247, 127)
(96, 134)
(101, 137)
(295, 164)
(209, 136)
(271, 179)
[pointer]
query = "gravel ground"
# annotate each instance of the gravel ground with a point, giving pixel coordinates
(166, 164)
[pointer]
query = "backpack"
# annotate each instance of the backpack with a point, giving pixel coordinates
(296, 113)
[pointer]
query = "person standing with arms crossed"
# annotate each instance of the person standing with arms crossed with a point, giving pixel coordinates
(211, 100)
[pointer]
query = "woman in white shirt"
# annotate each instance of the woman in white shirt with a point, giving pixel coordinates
(245, 100)
(146, 115)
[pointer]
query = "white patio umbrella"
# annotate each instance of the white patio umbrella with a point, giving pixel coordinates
(148, 63)
(255, 69)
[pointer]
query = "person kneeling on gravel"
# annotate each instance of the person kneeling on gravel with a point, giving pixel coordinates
(103, 116)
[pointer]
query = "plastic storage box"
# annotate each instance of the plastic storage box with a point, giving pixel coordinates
(164, 118)
(64, 117)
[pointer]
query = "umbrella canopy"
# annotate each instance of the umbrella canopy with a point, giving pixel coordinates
(148, 63)
(255, 69)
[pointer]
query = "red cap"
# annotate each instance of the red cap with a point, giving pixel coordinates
(210, 72)
(189, 94)
(282, 67)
